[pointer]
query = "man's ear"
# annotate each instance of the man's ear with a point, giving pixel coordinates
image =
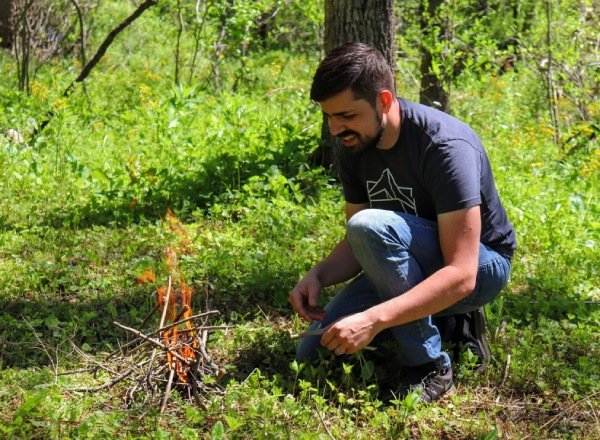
(386, 98)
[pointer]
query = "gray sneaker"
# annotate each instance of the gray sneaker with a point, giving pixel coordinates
(432, 382)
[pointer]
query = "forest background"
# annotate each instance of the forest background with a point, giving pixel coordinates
(202, 108)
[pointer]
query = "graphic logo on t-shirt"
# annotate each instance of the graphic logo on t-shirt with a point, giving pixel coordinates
(386, 190)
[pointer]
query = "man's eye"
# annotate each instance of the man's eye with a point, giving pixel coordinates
(349, 116)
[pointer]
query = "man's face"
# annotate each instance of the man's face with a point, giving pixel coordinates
(354, 123)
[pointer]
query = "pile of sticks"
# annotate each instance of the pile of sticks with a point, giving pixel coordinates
(155, 362)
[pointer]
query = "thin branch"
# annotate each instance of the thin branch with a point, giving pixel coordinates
(152, 341)
(82, 32)
(97, 56)
(43, 347)
(178, 45)
(107, 42)
(323, 422)
(552, 98)
(111, 383)
(90, 359)
(167, 327)
(167, 391)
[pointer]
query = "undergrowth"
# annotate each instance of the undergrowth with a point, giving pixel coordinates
(81, 218)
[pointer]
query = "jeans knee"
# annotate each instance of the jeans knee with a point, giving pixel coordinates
(363, 224)
(377, 226)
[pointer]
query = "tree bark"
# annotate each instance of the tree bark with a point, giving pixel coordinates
(366, 21)
(5, 30)
(433, 92)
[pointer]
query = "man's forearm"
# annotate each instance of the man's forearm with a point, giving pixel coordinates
(340, 265)
(434, 294)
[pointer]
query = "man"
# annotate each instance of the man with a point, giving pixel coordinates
(426, 233)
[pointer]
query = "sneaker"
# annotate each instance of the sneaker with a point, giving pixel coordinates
(431, 381)
(470, 333)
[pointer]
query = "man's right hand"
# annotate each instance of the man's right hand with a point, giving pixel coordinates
(304, 298)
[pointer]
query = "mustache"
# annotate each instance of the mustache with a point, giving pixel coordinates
(346, 133)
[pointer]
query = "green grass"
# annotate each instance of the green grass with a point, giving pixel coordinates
(81, 218)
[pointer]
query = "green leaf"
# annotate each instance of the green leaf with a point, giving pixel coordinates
(234, 422)
(218, 431)
(367, 370)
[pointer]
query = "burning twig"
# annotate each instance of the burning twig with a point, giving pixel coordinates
(171, 357)
(153, 341)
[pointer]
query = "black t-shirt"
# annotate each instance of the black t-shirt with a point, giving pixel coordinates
(437, 165)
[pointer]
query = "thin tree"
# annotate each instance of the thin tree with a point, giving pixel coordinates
(434, 83)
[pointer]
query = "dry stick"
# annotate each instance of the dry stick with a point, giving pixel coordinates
(162, 322)
(180, 314)
(167, 327)
(91, 359)
(149, 315)
(201, 329)
(506, 368)
(167, 391)
(43, 346)
(83, 370)
(554, 419)
(194, 384)
(111, 383)
(205, 355)
(153, 341)
(134, 349)
(98, 55)
(323, 423)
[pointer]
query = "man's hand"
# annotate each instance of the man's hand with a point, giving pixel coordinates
(304, 298)
(349, 334)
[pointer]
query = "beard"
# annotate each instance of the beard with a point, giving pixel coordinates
(364, 143)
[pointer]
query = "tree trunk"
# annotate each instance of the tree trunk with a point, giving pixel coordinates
(365, 21)
(370, 22)
(5, 31)
(432, 91)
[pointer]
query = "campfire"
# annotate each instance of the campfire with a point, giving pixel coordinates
(172, 356)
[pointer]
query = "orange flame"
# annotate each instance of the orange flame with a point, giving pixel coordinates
(147, 276)
(180, 339)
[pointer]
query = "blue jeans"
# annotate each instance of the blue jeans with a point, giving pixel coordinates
(396, 252)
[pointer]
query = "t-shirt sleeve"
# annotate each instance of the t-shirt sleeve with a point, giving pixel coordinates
(452, 171)
(354, 191)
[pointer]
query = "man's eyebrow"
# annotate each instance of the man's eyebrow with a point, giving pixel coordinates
(344, 113)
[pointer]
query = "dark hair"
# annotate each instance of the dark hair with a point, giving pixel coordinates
(357, 66)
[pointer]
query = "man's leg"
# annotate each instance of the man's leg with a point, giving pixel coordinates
(397, 251)
(463, 324)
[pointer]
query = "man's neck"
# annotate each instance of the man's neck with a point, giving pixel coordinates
(391, 132)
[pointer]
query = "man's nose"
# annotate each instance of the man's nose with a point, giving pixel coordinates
(335, 127)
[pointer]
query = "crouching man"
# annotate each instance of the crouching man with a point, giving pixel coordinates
(427, 240)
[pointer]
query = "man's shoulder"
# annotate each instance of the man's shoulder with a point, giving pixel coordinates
(433, 123)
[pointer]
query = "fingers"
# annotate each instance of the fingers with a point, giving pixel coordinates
(304, 300)
(334, 342)
(317, 313)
